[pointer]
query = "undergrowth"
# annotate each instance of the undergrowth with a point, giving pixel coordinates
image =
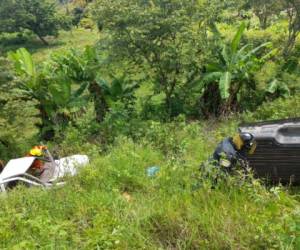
(113, 204)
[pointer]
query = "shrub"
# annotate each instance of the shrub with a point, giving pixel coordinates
(279, 109)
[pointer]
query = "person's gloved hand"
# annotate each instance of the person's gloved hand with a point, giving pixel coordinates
(227, 161)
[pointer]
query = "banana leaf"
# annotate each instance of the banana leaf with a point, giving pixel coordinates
(224, 85)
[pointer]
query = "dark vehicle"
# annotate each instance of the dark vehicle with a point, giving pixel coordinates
(277, 156)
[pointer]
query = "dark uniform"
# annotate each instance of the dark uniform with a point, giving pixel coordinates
(227, 155)
(234, 150)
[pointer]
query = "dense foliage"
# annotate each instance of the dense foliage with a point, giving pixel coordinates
(168, 46)
(40, 17)
(135, 84)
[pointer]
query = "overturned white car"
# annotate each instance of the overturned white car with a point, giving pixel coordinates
(18, 171)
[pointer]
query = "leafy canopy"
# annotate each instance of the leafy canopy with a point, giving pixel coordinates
(162, 38)
(38, 16)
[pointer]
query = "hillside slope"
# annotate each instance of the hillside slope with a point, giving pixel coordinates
(112, 204)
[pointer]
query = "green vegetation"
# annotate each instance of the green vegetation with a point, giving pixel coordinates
(77, 38)
(112, 204)
(39, 17)
(234, 70)
(135, 84)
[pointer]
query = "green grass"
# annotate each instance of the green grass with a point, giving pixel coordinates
(77, 38)
(112, 204)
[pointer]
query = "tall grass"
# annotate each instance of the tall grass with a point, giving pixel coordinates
(113, 204)
(76, 38)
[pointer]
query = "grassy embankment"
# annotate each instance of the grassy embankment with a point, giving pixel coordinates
(112, 204)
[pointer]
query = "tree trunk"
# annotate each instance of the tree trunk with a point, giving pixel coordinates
(263, 20)
(43, 40)
(47, 126)
(231, 105)
(262, 14)
(289, 45)
(293, 13)
(210, 103)
(100, 104)
(169, 91)
(168, 105)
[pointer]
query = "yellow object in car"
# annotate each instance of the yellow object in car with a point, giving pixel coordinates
(36, 152)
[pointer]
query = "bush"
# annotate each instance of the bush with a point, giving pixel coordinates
(7, 39)
(87, 23)
(279, 109)
(271, 34)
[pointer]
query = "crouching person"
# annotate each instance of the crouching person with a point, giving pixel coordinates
(233, 151)
(229, 153)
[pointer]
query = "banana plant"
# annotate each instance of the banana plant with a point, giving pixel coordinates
(277, 88)
(50, 91)
(118, 89)
(84, 68)
(234, 67)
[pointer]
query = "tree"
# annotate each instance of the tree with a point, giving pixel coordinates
(233, 69)
(264, 9)
(50, 91)
(38, 16)
(77, 14)
(293, 13)
(161, 38)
